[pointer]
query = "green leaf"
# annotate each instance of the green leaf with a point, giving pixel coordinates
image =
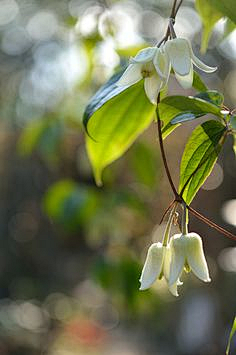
(144, 162)
(130, 51)
(209, 15)
(199, 157)
(44, 134)
(186, 116)
(116, 125)
(104, 94)
(212, 96)
(233, 330)
(198, 83)
(176, 109)
(226, 7)
(233, 122)
(69, 204)
(234, 144)
(229, 27)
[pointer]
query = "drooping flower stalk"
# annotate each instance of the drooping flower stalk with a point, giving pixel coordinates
(158, 261)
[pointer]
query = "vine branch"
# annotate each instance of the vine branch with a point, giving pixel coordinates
(211, 223)
(170, 29)
(178, 197)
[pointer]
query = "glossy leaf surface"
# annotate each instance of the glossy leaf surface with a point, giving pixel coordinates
(199, 157)
(174, 110)
(115, 125)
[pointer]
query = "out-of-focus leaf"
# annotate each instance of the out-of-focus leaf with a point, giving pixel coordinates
(229, 27)
(199, 157)
(115, 125)
(198, 83)
(209, 15)
(226, 7)
(44, 134)
(120, 276)
(233, 125)
(232, 332)
(130, 51)
(144, 164)
(233, 122)
(234, 144)
(69, 204)
(176, 109)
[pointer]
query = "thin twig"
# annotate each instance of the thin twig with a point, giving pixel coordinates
(177, 8)
(211, 224)
(171, 28)
(177, 197)
(173, 11)
(166, 211)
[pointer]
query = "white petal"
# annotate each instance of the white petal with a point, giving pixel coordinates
(131, 75)
(196, 258)
(202, 66)
(145, 55)
(167, 261)
(177, 259)
(179, 283)
(185, 81)
(173, 289)
(153, 266)
(199, 64)
(179, 54)
(162, 63)
(152, 86)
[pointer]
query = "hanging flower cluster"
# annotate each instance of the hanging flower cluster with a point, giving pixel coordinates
(184, 252)
(153, 64)
(157, 266)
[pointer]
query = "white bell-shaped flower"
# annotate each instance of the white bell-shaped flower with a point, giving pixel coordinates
(182, 58)
(150, 64)
(157, 265)
(187, 253)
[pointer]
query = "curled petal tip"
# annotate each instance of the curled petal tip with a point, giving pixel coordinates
(207, 280)
(143, 287)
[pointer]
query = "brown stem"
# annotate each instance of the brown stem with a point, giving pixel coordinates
(166, 211)
(177, 8)
(211, 224)
(177, 197)
(174, 11)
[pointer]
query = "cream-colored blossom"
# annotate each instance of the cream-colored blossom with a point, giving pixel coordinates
(157, 266)
(150, 64)
(182, 58)
(187, 253)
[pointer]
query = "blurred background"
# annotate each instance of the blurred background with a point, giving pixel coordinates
(71, 253)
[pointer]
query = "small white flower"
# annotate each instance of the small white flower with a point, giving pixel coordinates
(156, 266)
(182, 58)
(150, 64)
(187, 253)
